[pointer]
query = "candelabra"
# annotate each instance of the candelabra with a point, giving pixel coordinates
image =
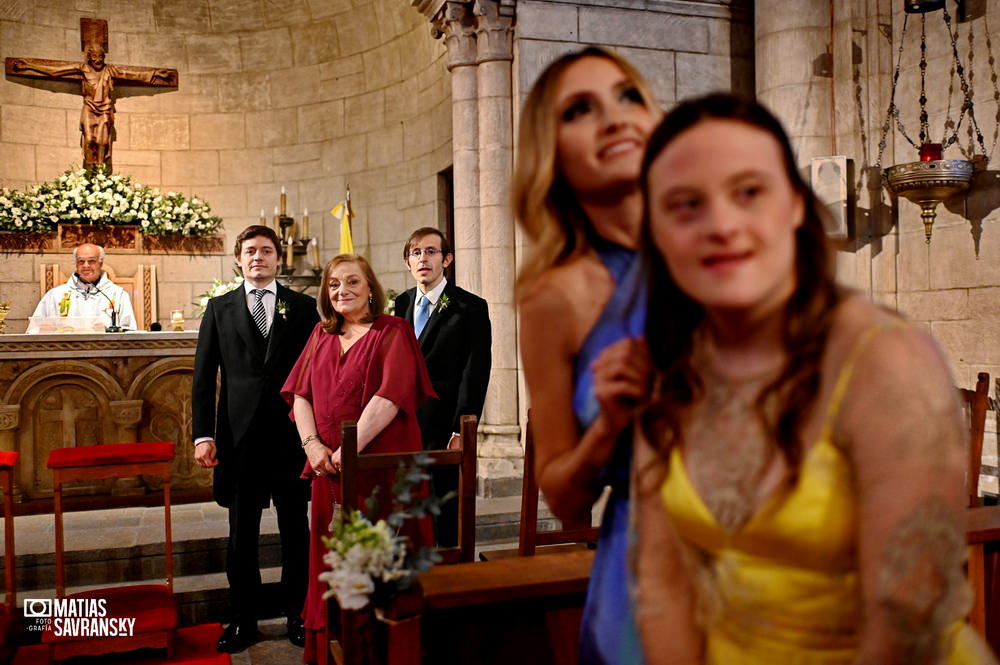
(295, 239)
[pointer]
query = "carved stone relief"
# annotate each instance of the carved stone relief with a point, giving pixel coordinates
(133, 390)
(64, 413)
(167, 417)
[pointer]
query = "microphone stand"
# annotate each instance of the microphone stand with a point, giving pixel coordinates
(114, 327)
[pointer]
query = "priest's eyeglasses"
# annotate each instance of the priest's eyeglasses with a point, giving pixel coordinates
(430, 253)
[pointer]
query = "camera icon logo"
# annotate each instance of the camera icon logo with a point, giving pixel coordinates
(40, 608)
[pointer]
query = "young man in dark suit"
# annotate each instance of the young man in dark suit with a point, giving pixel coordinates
(453, 328)
(253, 335)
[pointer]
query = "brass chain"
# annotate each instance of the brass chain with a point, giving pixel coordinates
(967, 106)
(893, 110)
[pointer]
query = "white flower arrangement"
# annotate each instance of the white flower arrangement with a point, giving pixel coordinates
(369, 558)
(361, 553)
(218, 288)
(82, 196)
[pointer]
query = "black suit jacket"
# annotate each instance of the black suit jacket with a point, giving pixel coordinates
(253, 370)
(456, 343)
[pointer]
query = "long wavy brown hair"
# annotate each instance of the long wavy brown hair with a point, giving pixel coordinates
(808, 313)
(544, 204)
(333, 322)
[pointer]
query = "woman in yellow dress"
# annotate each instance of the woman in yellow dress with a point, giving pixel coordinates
(799, 466)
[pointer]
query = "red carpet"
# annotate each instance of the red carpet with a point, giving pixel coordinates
(193, 645)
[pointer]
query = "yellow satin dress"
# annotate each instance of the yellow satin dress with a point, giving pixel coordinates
(787, 581)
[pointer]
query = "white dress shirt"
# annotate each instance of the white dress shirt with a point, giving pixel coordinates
(270, 300)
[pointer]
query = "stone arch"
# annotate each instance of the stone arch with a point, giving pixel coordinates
(63, 404)
(74, 368)
(164, 390)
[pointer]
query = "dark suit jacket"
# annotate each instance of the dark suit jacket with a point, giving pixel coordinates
(456, 343)
(253, 371)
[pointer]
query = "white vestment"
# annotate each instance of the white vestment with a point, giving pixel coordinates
(79, 298)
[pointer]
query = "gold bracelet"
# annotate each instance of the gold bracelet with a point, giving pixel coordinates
(311, 437)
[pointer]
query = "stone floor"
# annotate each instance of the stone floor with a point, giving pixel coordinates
(272, 649)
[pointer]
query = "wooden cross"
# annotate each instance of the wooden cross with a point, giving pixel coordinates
(97, 120)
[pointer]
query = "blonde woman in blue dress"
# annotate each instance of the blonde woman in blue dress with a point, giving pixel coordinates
(800, 466)
(581, 295)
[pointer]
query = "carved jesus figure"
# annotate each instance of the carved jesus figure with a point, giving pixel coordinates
(97, 119)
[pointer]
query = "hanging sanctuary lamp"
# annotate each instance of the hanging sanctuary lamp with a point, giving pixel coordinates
(932, 179)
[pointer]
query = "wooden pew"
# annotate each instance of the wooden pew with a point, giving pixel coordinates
(522, 610)
(983, 536)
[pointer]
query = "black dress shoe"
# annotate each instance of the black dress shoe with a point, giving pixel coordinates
(297, 632)
(237, 637)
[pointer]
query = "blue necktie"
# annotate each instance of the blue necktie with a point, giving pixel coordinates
(420, 317)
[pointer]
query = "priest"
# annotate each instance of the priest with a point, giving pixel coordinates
(89, 292)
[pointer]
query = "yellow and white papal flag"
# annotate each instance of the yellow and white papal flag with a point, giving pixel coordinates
(345, 214)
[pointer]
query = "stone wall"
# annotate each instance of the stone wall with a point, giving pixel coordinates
(833, 96)
(684, 49)
(306, 94)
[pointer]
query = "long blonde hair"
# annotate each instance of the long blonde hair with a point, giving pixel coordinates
(544, 204)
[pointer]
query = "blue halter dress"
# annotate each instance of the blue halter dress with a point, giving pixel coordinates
(609, 635)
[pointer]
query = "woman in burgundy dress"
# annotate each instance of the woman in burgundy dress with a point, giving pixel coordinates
(358, 365)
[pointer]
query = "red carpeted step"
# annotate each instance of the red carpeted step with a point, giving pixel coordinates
(193, 645)
(153, 606)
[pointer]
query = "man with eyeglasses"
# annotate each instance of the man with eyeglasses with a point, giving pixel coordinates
(453, 328)
(88, 292)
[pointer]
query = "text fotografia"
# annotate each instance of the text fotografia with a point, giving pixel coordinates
(77, 617)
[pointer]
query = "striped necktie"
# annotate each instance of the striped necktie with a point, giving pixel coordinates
(258, 313)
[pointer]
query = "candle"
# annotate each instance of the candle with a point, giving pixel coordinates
(263, 218)
(177, 319)
(315, 247)
(305, 222)
(930, 152)
(284, 202)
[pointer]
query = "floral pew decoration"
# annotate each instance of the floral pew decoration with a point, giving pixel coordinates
(369, 561)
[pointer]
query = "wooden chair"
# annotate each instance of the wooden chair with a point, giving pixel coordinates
(7, 624)
(154, 607)
(349, 650)
(982, 531)
(529, 537)
(506, 603)
(7, 460)
(976, 403)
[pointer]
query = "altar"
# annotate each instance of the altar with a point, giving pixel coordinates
(60, 390)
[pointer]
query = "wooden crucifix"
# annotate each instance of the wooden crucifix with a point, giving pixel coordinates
(98, 79)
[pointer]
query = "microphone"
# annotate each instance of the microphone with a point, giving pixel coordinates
(114, 327)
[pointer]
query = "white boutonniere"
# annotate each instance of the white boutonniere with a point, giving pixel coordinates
(282, 309)
(443, 302)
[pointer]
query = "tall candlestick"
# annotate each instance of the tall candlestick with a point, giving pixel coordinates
(284, 203)
(315, 247)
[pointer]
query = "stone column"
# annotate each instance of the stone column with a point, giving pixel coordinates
(458, 28)
(496, 122)
(126, 414)
(794, 74)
